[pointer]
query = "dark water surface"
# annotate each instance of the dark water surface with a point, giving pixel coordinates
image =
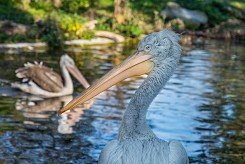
(202, 106)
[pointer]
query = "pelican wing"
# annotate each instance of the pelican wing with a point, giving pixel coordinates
(43, 76)
(53, 76)
(177, 153)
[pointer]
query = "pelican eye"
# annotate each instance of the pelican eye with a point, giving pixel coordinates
(147, 48)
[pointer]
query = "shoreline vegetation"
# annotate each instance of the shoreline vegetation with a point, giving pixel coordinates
(57, 23)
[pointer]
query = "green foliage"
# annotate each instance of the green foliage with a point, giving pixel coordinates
(213, 9)
(104, 24)
(51, 33)
(11, 3)
(215, 15)
(42, 4)
(148, 6)
(69, 22)
(76, 5)
(31, 36)
(12, 10)
(72, 26)
(239, 5)
(87, 34)
(189, 26)
(57, 29)
(104, 3)
(13, 39)
(66, 22)
(130, 29)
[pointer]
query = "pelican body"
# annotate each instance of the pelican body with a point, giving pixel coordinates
(157, 55)
(44, 82)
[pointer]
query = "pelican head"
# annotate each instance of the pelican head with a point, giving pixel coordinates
(67, 62)
(161, 46)
(155, 53)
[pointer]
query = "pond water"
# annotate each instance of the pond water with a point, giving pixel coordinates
(202, 106)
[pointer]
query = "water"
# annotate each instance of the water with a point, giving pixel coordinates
(202, 106)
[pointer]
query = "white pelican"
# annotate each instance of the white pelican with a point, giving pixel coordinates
(157, 55)
(44, 82)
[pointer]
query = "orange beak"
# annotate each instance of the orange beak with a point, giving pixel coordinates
(137, 64)
(76, 73)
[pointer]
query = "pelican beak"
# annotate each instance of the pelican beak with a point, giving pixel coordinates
(76, 73)
(137, 64)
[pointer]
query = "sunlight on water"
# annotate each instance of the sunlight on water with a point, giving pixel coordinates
(202, 106)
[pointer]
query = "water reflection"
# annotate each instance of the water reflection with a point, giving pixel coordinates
(43, 137)
(202, 106)
(224, 124)
(37, 110)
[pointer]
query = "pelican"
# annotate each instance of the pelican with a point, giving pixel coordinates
(157, 55)
(44, 82)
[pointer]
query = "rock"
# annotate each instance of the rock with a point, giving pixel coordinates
(11, 28)
(90, 25)
(95, 41)
(110, 35)
(185, 40)
(174, 10)
(22, 45)
(176, 22)
(231, 29)
(102, 37)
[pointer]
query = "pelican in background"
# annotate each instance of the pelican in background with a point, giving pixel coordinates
(44, 82)
(157, 55)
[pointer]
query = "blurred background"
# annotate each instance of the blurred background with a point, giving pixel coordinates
(202, 106)
(54, 21)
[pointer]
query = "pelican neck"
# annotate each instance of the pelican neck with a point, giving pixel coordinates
(67, 78)
(134, 125)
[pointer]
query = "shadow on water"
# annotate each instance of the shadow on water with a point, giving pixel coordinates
(202, 106)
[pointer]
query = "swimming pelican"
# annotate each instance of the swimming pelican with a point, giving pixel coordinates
(43, 81)
(157, 55)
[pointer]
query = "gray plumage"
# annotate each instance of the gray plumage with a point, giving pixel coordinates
(136, 143)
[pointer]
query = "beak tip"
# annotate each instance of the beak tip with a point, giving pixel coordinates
(59, 112)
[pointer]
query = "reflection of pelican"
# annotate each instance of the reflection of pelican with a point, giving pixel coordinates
(69, 119)
(156, 55)
(47, 83)
(35, 109)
